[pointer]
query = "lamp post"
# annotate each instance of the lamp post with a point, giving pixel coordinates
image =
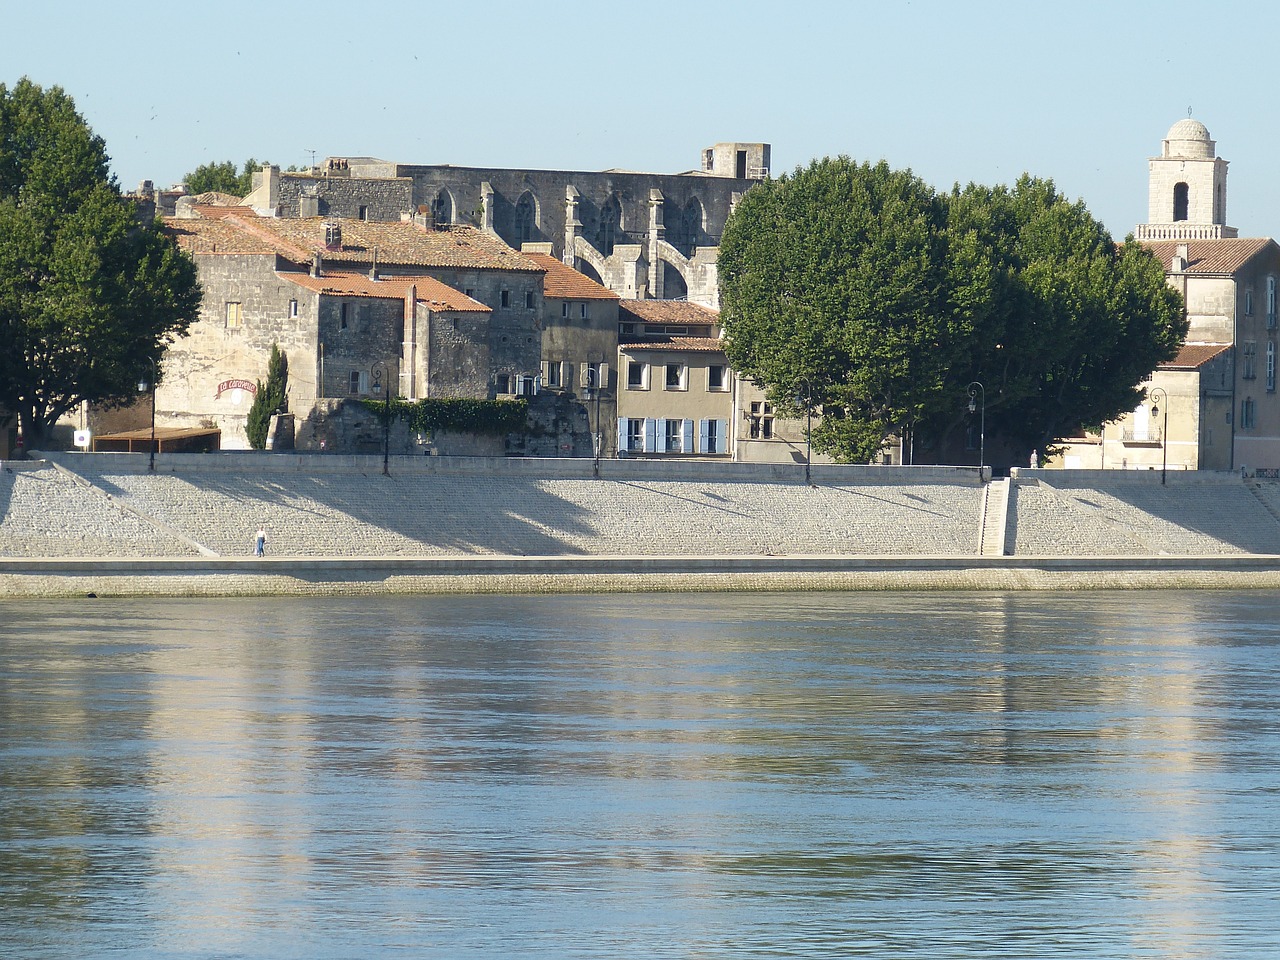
(978, 404)
(1158, 397)
(380, 385)
(597, 436)
(808, 428)
(142, 386)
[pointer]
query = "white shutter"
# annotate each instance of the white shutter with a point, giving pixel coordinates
(722, 437)
(650, 433)
(566, 373)
(703, 445)
(602, 381)
(584, 375)
(660, 436)
(687, 438)
(622, 434)
(546, 371)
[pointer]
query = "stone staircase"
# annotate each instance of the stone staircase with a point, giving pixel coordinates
(995, 518)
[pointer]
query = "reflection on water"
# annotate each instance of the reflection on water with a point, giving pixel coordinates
(940, 776)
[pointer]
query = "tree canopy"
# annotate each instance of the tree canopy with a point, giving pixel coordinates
(860, 286)
(89, 295)
(269, 399)
(222, 178)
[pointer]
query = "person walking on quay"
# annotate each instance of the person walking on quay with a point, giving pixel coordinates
(260, 542)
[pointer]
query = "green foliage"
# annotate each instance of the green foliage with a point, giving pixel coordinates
(89, 295)
(270, 399)
(457, 414)
(222, 178)
(887, 300)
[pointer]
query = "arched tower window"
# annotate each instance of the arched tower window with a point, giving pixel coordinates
(442, 207)
(610, 226)
(526, 225)
(1179, 202)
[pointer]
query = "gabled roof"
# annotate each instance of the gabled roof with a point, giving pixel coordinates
(566, 283)
(676, 345)
(1210, 257)
(666, 311)
(403, 243)
(200, 236)
(430, 291)
(1193, 355)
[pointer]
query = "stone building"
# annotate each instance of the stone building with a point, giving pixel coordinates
(358, 307)
(1222, 411)
(642, 235)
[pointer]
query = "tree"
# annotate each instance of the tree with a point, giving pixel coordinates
(222, 178)
(834, 284)
(269, 400)
(89, 295)
(889, 300)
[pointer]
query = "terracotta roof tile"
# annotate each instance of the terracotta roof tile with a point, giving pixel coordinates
(1210, 256)
(677, 345)
(402, 243)
(566, 283)
(1192, 355)
(436, 295)
(666, 311)
(199, 236)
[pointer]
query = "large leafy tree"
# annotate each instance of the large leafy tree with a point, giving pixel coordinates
(222, 178)
(834, 287)
(862, 287)
(89, 295)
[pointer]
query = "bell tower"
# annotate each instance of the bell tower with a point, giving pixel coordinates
(1187, 188)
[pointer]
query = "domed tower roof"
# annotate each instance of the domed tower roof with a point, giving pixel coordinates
(1190, 139)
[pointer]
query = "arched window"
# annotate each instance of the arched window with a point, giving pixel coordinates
(526, 226)
(610, 226)
(442, 208)
(1179, 201)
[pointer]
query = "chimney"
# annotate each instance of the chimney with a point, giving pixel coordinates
(373, 270)
(333, 236)
(317, 265)
(1180, 259)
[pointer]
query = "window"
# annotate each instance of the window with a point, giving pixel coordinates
(528, 299)
(1247, 413)
(1271, 366)
(1248, 370)
(343, 315)
(1180, 203)
(716, 378)
(582, 310)
(637, 375)
(1248, 302)
(761, 421)
(359, 382)
(635, 434)
(363, 213)
(235, 314)
(293, 308)
(713, 436)
(673, 434)
(470, 292)
(564, 308)
(675, 376)
(526, 386)
(503, 382)
(552, 376)
(1271, 303)
(506, 298)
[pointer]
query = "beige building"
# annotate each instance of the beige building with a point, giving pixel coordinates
(675, 388)
(1222, 410)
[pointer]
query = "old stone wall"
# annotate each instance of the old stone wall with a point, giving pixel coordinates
(304, 195)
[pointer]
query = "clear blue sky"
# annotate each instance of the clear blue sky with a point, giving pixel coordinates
(1081, 93)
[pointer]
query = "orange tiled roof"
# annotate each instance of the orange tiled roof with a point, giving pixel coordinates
(1192, 355)
(677, 345)
(402, 243)
(666, 311)
(436, 295)
(1210, 256)
(566, 283)
(198, 236)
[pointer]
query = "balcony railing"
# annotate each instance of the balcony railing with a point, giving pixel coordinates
(1149, 435)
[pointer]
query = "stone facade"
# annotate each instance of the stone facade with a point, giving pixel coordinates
(1187, 192)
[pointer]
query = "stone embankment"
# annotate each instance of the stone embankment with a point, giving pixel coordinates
(105, 524)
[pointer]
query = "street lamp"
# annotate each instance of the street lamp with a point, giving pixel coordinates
(808, 428)
(594, 389)
(978, 402)
(1163, 398)
(142, 387)
(380, 385)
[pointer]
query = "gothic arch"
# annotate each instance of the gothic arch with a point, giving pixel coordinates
(609, 229)
(443, 207)
(689, 227)
(590, 257)
(527, 225)
(1180, 201)
(665, 256)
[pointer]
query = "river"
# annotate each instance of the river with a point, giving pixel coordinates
(662, 776)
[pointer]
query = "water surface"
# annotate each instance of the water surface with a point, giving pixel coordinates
(709, 776)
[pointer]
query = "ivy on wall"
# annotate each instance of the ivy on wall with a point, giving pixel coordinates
(457, 414)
